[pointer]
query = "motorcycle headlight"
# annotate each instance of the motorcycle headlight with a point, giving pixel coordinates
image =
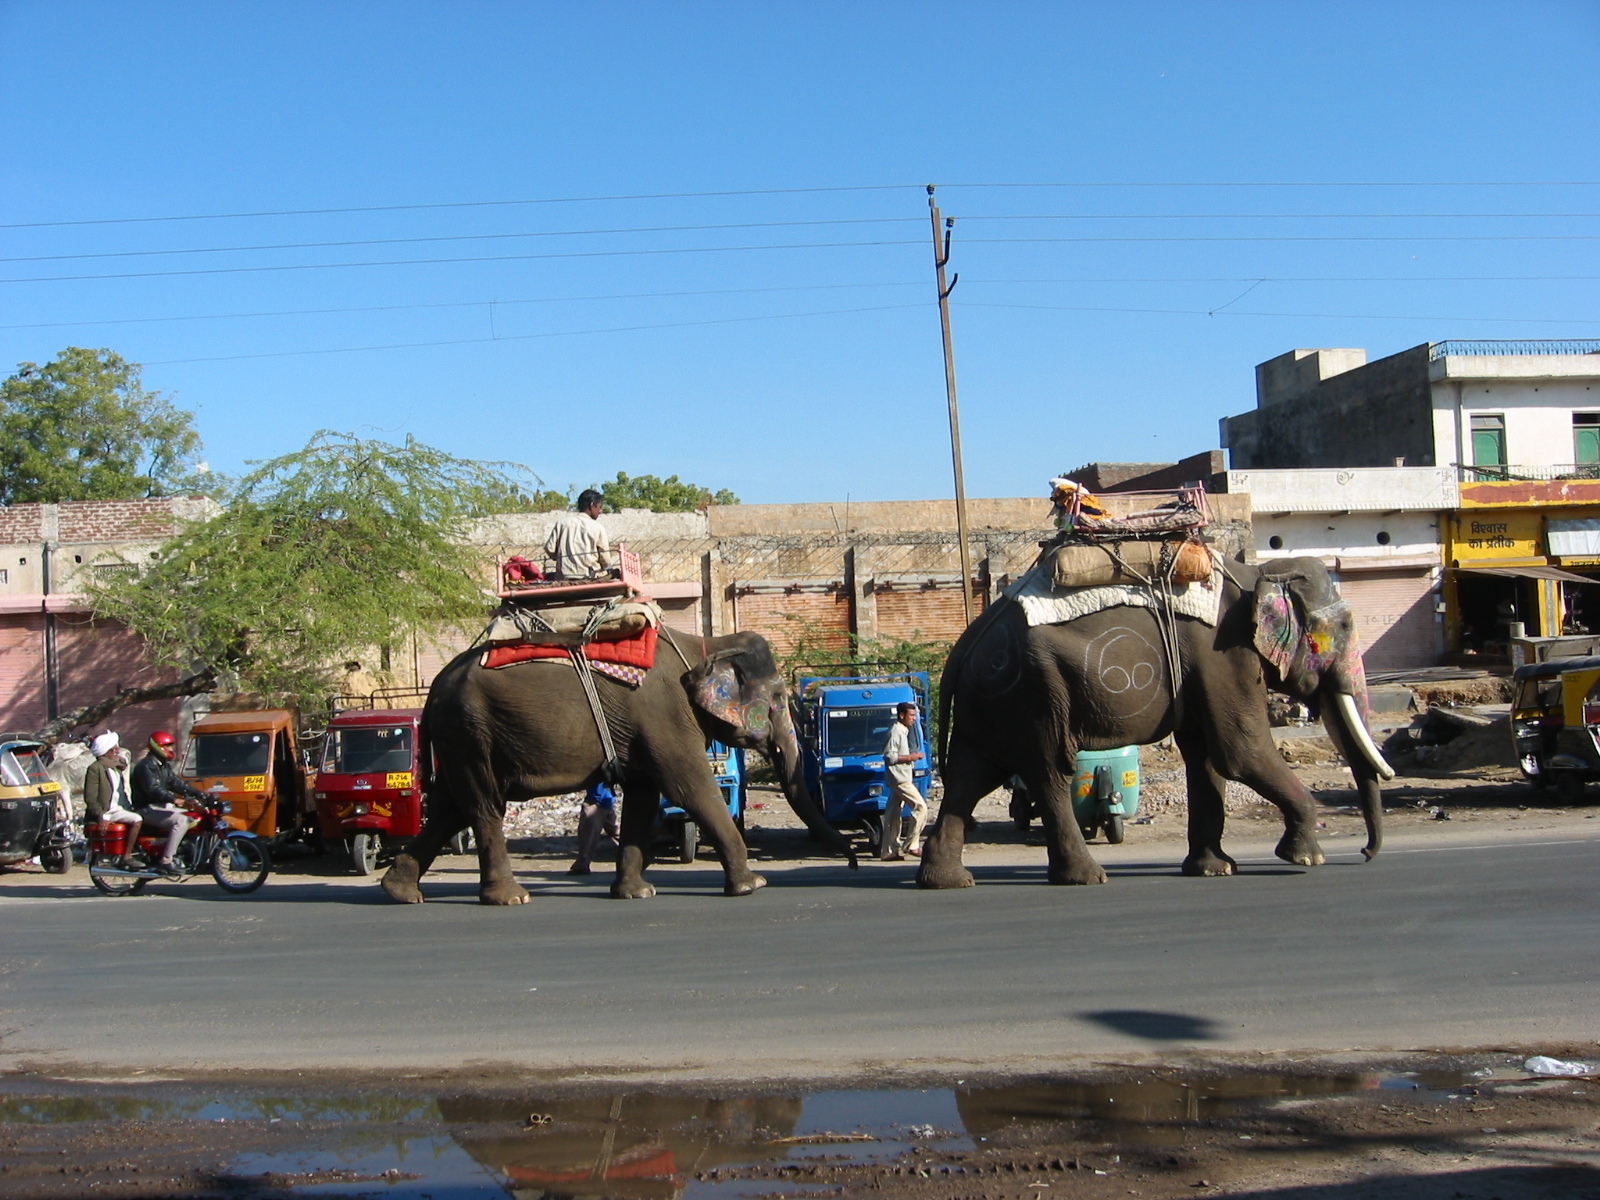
(225, 807)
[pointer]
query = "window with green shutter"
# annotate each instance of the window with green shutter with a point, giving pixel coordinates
(1489, 441)
(1586, 438)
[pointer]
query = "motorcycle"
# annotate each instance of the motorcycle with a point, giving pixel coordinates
(238, 861)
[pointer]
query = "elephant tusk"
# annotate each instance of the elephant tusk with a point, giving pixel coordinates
(1346, 705)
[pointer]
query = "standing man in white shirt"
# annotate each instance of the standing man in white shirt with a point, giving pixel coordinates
(898, 757)
(578, 544)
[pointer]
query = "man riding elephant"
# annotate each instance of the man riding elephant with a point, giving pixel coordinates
(528, 730)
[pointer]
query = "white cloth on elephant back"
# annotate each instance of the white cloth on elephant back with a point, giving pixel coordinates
(1044, 604)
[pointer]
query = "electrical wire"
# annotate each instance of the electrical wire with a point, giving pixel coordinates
(802, 191)
(524, 337)
(317, 312)
(635, 229)
(416, 262)
(1219, 312)
(922, 283)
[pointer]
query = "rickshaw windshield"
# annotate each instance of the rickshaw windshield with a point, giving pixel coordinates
(228, 754)
(858, 731)
(21, 766)
(367, 749)
(1540, 693)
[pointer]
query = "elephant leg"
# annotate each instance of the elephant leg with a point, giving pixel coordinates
(403, 880)
(496, 884)
(1207, 812)
(641, 800)
(1261, 768)
(1070, 860)
(691, 787)
(967, 779)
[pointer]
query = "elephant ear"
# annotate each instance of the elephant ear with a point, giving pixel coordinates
(725, 688)
(1278, 626)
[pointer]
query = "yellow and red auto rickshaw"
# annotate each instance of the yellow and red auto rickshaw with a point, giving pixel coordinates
(253, 760)
(368, 791)
(1555, 724)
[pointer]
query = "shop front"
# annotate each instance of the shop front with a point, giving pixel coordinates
(1523, 557)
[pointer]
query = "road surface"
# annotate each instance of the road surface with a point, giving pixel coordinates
(1463, 937)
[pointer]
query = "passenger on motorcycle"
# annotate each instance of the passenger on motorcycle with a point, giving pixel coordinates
(156, 792)
(105, 792)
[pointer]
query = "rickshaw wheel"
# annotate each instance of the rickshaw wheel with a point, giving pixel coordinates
(461, 843)
(55, 862)
(1113, 827)
(688, 841)
(364, 852)
(873, 827)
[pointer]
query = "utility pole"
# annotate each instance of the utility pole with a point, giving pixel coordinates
(941, 255)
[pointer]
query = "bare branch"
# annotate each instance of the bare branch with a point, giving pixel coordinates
(91, 714)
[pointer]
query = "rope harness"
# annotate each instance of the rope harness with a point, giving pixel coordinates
(610, 769)
(1166, 622)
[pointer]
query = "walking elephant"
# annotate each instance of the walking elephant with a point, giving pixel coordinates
(1023, 700)
(527, 730)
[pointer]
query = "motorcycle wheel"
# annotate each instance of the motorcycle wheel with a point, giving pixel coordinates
(117, 887)
(688, 841)
(364, 852)
(240, 865)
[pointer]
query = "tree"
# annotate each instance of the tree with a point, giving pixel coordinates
(81, 427)
(318, 557)
(660, 495)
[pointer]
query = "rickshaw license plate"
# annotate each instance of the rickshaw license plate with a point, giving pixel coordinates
(255, 783)
(397, 779)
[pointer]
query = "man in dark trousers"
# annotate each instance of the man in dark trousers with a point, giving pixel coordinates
(157, 792)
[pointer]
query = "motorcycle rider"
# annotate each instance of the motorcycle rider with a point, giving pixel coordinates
(157, 789)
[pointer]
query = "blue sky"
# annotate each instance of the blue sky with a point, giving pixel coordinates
(810, 371)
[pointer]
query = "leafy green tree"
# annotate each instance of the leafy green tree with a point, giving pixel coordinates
(316, 558)
(81, 427)
(660, 495)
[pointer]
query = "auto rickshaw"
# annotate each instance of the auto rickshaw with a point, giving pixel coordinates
(1555, 724)
(253, 760)
(368, 792)
(29, 822)
(1105, 793)
(727, 764)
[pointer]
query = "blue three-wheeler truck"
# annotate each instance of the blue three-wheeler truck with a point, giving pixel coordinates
(843, 722)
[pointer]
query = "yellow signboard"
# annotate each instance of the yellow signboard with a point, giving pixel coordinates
(255, 783)
(397, 779)
(1488, 536)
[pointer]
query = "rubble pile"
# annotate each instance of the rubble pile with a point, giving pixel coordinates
(552, 816)
(1452, 739)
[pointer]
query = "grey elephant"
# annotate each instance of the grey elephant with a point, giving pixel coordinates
(527, 730)
(1020, 699)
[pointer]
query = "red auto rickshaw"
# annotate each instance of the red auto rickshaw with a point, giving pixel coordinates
(367, 787)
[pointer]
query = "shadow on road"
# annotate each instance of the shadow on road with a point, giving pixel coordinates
(1155, 1026)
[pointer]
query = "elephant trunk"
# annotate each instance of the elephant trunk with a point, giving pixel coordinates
(784, 750)
(1348, 732)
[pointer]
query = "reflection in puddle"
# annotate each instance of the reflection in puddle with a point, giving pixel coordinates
(638, 1145)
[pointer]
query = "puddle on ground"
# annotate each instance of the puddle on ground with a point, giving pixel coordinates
(640, 1145)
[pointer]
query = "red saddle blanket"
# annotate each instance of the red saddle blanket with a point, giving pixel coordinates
(638, 651)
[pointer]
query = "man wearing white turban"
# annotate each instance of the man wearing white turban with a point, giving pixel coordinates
(105, 791)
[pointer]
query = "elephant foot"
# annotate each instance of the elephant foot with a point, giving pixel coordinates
(1301, 849)
(743, 887)
(503, 892)
(401, 880)
(1210, 862)
(632, 889)
(934, 875)
(1069, 876)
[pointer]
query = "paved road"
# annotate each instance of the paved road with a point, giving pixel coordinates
(1470, 938)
